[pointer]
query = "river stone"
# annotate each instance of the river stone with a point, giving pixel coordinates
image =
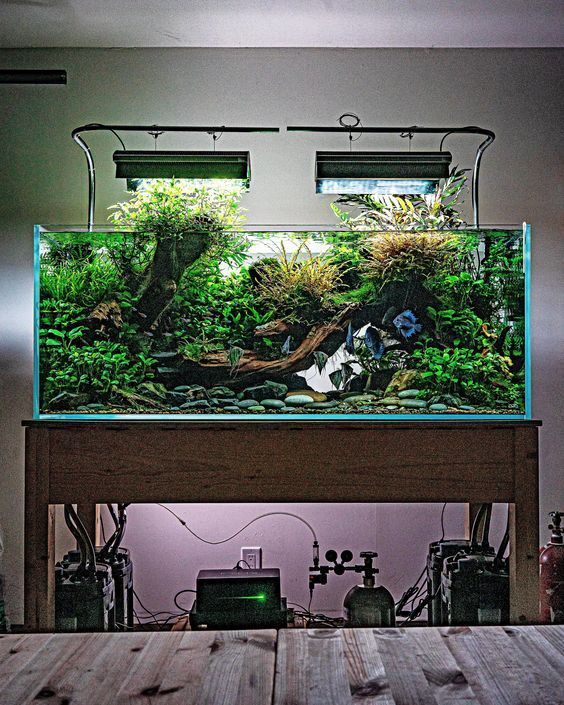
(166, 371)
(386, 401)
(68, 400)
(413, 403)
(273, 403)
(316, 396)
(392, 407)
(408, 394)
(257, 409)
(298, 400)
(224, 402)
(246, 403)
(258, 392)
(164, 355)
(361, 399)
(465, 407)
(221, 392)
(196, 404)
(176, 398)
(438, 407)
(95, 407)
(402, 379)
(232, 409)
(278, 389)
(322, 405)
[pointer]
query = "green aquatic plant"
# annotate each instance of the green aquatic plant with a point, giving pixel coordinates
(482, 378)
(401, 256)
(97, 369)
(298, 285)
(435, 211)
(186, 219)
(80, 282)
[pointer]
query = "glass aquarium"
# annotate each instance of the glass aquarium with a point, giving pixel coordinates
(274, 323)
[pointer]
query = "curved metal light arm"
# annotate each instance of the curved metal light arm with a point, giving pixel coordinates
(445, 131)
(95, 126)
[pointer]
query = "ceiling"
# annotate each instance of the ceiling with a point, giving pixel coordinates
(285, 23)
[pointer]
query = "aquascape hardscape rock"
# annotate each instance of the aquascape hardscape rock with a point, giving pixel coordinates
(268, 390)
(413, 403)
(322, 405)
(408, 394)
(438, 407)
(273, 403)
(360, 399)
(299, 400)
(316, 396)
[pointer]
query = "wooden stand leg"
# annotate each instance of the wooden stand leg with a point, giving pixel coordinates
(524, 531)
(39, 578)
(471, 511)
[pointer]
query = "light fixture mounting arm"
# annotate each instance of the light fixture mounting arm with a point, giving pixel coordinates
(150, 129)
(414, 129)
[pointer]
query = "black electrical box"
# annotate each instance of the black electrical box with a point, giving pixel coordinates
(238, 599)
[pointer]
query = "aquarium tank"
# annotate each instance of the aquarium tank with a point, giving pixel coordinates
(176, 310)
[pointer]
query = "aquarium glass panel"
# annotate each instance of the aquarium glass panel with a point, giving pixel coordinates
(265, 323)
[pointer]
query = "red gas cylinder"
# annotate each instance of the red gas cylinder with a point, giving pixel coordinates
(552, 574)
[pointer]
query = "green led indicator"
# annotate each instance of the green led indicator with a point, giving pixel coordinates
(261, 597)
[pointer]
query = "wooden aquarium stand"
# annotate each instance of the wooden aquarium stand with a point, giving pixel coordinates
(94, 462)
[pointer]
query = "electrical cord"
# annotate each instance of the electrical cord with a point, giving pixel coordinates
(180, 592)
(86, 547)
(238, 567)
(229, 538)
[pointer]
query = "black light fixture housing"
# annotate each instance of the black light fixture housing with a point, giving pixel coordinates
(33, 76)
(396, 173)
(183, 165)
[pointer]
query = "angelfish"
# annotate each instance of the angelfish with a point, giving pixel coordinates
(286, 346)
(374, 342)
(406, 323)
(349, 342)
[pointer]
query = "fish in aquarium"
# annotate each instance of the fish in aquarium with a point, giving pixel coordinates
(177, 309)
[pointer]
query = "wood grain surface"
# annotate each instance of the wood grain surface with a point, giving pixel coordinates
(371, 462)
(189, 668)
(520, 665)
(421, 666)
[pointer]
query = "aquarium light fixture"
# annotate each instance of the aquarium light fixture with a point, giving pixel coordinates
(382, 173)
(172, 164)
(358, 129)
(132, 165)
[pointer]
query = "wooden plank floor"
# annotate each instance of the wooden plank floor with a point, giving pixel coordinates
(421, 666)
(182, 668)
(416, 666)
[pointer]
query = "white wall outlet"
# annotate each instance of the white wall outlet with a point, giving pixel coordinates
(252, 557)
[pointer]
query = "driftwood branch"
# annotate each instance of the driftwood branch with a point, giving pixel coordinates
(215, 368)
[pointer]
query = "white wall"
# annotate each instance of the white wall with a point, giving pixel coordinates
(43, 180)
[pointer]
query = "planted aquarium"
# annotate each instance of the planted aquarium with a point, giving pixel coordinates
(176, 312)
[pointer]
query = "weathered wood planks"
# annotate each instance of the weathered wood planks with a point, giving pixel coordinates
(421, 666)
(180, 668)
